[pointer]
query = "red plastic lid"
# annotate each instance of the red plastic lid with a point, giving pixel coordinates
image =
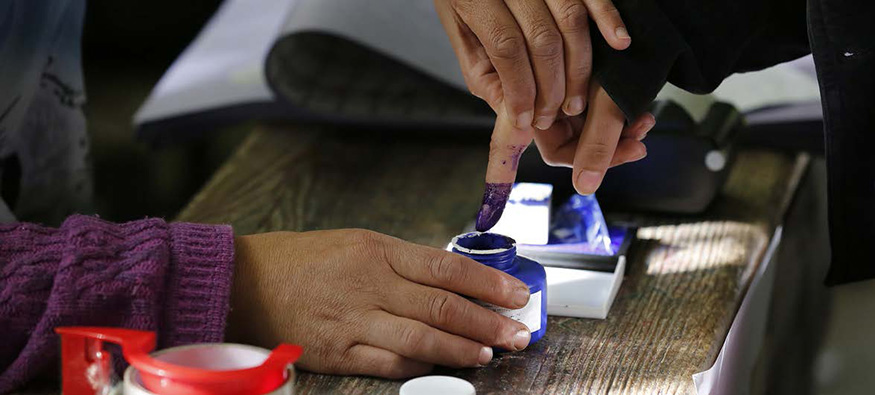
(85, 366)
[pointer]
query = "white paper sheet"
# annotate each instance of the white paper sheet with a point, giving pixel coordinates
(786, 83)
(407, 30)
(526, 216)
(732, 371)
(224, 65)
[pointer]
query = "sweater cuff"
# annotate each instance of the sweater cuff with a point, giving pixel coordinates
(199, 284)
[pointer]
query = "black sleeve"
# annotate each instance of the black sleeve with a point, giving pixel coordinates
(843, 42)
(695, 44)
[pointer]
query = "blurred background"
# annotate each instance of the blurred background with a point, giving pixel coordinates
(127, 46)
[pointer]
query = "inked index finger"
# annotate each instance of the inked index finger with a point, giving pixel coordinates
(507, 146)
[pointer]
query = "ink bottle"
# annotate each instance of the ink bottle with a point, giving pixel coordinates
(499, 252)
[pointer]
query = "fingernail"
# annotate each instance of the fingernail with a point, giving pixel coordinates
(544, 123)
(524, 120)
(622, 33)
(588, 181)
(642, 156)
(521, 339)
(574, 106)
(646, 127)
(494, 199)
(521, 297)
(485, 356)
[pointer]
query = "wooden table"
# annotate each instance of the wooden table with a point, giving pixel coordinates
(684, 284)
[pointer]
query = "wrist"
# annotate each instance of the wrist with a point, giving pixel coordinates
(235, 328)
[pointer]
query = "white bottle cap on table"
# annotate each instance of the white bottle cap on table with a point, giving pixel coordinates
(437, 385)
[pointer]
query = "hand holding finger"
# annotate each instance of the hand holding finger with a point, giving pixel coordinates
(503, 41)
(598, 141)
(558, 144)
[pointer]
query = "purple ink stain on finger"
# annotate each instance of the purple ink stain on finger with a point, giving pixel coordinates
(494, 199)
(515, 155)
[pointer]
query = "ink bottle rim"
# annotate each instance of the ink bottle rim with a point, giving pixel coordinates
(491, 249)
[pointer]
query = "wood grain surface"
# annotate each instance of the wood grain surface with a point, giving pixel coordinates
(686, 276)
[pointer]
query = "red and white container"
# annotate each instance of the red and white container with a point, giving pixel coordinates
(200, 369)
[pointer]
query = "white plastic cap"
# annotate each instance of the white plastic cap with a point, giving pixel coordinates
(437, 385)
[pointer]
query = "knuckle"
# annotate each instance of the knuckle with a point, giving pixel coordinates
(498, 327)
(365, 237)
(332, 362)
(493, 93)
(472, 80)
(412, 339)
(460, 6)
(581, 71)
(546, 41)
(479, 89)
(495, 149)
(553, 99)
(371, 244)
(445, 268)
(505, 43)
(606, 9)
(476, 91)
(599, 150)
(493, 100)
(395, 368)
(573, 17)
(441, 308)
(495, 144)
(596, 152)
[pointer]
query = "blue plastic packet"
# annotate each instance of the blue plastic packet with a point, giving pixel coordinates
(580, 220)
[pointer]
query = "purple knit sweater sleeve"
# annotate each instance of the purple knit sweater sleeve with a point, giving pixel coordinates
(147, 274)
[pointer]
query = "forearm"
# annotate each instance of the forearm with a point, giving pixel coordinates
(695, 45)
(147, 274)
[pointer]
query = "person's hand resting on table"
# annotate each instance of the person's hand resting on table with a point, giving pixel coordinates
(361, 302)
